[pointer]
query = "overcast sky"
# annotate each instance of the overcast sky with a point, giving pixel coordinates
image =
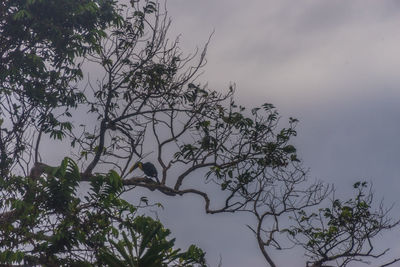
(332, 64)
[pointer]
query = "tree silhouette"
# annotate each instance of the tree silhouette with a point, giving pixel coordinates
(145, 103)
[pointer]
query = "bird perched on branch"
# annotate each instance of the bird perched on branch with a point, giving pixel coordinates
(148, 168)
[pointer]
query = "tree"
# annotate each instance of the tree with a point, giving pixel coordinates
(39, 45)
(148, 105)
(344, 231)
(43, 221)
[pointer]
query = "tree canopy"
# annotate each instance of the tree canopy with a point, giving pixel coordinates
(148, 106)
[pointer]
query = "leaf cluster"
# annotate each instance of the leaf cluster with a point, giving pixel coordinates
(344, 231)
(51, 225)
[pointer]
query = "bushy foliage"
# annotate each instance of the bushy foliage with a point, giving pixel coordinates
(53, 226)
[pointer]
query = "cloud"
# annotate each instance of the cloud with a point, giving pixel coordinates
(310, 49)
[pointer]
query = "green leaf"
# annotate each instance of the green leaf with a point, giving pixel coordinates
(289, 149)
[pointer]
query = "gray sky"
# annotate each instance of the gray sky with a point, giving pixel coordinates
(332, 64)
